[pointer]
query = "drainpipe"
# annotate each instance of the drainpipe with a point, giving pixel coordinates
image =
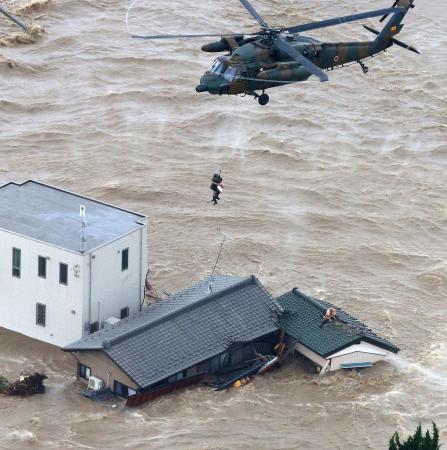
(100, 313)
(141, 267)
(90, 290)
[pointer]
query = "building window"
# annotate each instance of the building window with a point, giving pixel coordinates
(94, 327)
(63, 274)
(16, 262)
(124, 312)
(191, 371)
(215, 364)
(125, 259)
(177, 377)
(224, 360)
(122, 390)
(41, 311)
(204, 366)
(42, 267)
(84, 371)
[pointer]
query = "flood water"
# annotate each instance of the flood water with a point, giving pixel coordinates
(337, 188)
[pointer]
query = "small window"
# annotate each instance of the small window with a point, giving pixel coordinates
(191, 371)
(84, 371)
(42, 267)
(224, 359)
(16, 262)
(124, 312)
(63, 274)
(237, 356)
(125, 259)
(215, 364)
(40, 314)
(94, 327)
(121, 389)
(204, 367)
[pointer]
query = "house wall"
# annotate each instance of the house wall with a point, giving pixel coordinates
(18, 296)
(101, 366)
(359, 353)
(69, 308)
(111, 288)
(308, 353)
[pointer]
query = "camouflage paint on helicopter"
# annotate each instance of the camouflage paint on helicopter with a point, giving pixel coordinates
(274, 57)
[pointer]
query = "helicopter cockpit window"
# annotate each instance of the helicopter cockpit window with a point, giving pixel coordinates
(230, 73)
(217, 67)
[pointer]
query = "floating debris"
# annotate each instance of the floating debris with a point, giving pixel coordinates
(24, 386)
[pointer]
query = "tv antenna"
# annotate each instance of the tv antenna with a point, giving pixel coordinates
(83, 225)
(221, 246)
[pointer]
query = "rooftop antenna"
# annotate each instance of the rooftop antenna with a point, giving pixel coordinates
(221, 246)
(83, 224)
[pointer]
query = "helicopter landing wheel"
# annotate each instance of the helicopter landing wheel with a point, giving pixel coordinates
(364, 67)
(263, 99)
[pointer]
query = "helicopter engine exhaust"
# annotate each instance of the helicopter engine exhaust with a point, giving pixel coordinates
(227, 43)
(220, 46)
(285, 73)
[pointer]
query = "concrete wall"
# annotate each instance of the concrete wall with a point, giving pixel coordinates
(112, 288)
(101, 366)
(18, 296)
(308, 353)
(358, 353)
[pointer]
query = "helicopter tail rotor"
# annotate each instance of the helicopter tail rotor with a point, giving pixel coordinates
(395, 41)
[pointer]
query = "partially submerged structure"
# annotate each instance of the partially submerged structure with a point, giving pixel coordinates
(219, 327)
(214, 326)
(342, 343)
(70, 262)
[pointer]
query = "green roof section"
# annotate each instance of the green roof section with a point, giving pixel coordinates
(302, 319)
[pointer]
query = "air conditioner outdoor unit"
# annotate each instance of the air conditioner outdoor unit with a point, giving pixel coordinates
(111, 321)
(95, 384)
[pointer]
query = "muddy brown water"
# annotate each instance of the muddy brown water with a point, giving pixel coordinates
(337, 188)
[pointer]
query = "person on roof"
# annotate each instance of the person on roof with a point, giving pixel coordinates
(329, 316)
(216, 187)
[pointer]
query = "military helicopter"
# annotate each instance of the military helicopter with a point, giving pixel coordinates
(273, 57)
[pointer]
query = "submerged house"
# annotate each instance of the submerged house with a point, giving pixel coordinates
(211, 327)
(342, 343)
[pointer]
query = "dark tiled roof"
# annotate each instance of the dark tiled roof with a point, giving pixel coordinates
(302, 319)
(187, 328)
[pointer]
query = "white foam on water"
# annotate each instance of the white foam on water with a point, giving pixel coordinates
(22, 436)
(428, 373)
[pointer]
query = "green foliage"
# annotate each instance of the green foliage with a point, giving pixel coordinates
(3, 382)
(418, 441)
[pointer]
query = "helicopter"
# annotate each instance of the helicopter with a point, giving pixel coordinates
(273, 57)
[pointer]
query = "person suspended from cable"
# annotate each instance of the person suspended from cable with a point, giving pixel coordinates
(216, 187)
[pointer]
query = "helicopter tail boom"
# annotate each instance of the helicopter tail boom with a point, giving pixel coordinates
(394, 25)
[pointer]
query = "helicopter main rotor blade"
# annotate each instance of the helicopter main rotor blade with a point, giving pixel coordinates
(342, 20)
(297, 56)
(386, 15)
(248, 6)
(177, 36)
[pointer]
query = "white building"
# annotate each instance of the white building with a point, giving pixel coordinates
(60, 279)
